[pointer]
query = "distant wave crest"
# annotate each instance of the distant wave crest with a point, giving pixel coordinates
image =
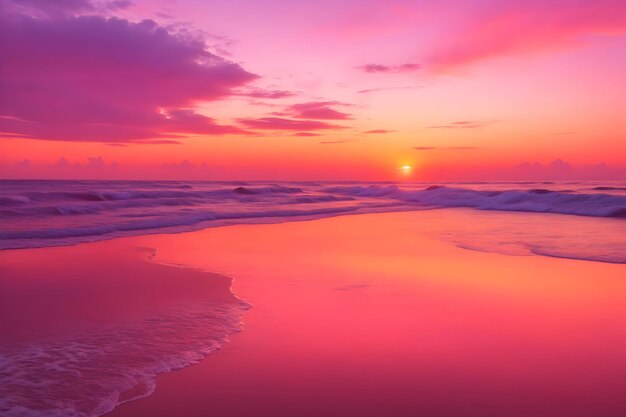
(532, 200)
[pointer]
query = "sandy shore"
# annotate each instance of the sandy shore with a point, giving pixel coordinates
(352, 316)
(362, 315)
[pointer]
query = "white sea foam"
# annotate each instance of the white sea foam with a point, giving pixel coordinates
(86, 372)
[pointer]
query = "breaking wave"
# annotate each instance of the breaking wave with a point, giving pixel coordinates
(531, 200)
(90, 372)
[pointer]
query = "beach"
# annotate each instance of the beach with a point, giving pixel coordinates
(370, 315)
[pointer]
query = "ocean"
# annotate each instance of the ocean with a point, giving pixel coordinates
(51, 213)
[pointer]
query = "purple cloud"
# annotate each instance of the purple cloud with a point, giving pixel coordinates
(88, 78)
(47, 8)
(318, 110)
(277, 123)
(62, 8)
(158, 142)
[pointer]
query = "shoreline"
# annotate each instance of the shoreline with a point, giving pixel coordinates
(98, 322)
(605, 223)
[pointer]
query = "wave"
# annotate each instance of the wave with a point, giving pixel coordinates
(96, 195)
(157, 223)
(533, 200)
(609, 188)
(14, 200)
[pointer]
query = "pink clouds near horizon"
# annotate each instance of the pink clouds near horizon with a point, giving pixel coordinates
(97, 167)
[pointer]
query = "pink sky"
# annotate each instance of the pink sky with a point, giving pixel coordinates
(456, 89)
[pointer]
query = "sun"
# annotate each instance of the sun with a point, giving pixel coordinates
(405, 169)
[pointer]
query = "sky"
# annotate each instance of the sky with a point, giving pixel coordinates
(313, 90)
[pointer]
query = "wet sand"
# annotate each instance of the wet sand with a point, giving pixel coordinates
(364, 316)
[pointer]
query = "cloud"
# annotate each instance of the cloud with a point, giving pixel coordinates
(446, 148)
(460, 125)
(561, 169)
(277, 123)
(158, 142)
(95, 162)
(305, 134)
(62, 163)
(378, 68)
(317, 110)
(559, 165)
(47, 8)
(266, 94)
(335, 142)
(379, 131)
(90, 78)
(149, 142)
(527, 28)
(62, 8)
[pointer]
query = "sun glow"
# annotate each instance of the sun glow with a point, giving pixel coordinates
(406, 169)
